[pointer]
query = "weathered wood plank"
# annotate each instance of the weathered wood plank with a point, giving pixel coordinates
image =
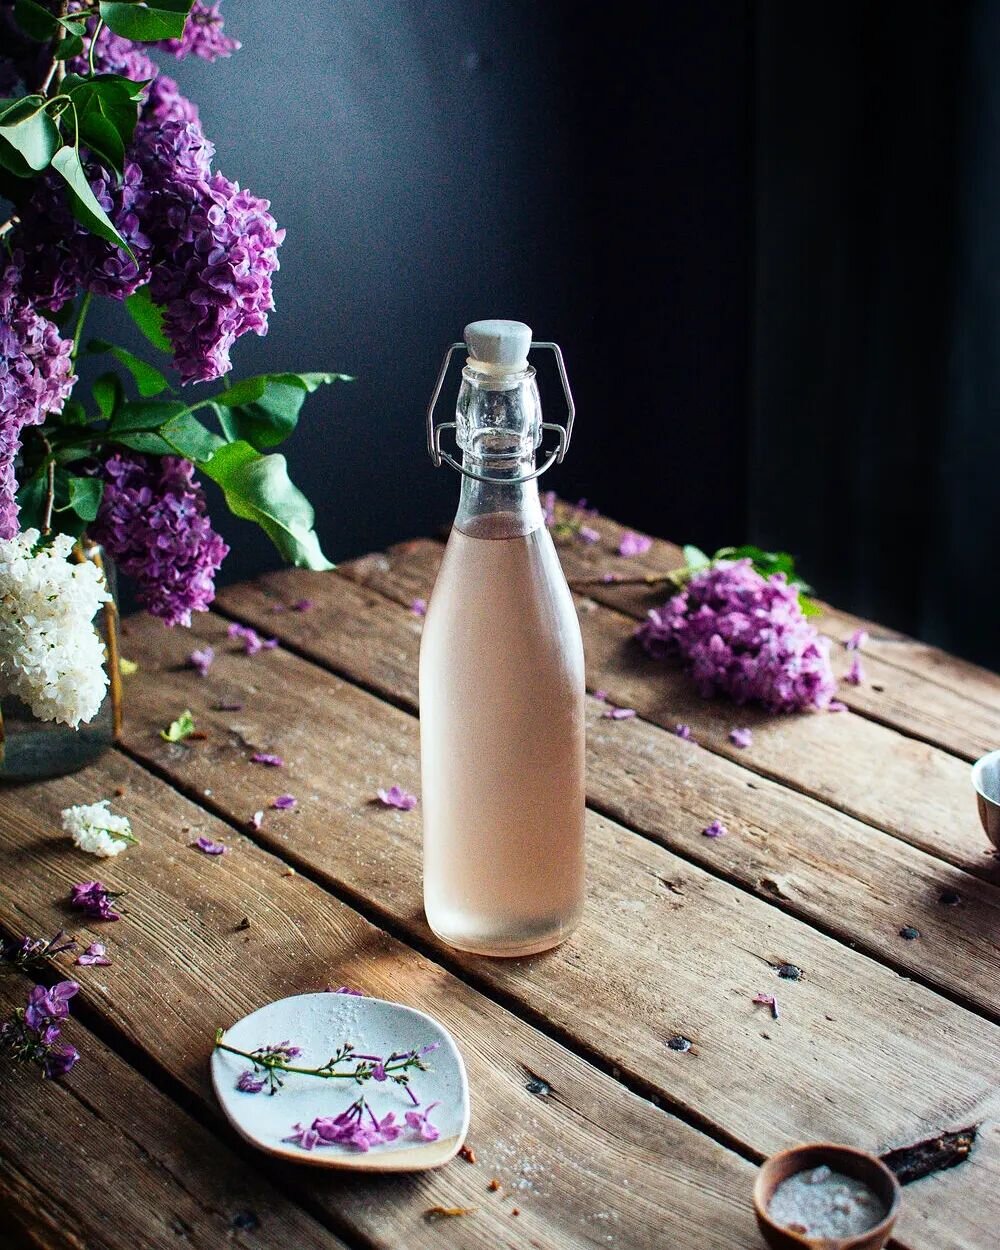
(101, 1160)
(923, 794)
(910, 685)
(578, 1154)
(664, 949)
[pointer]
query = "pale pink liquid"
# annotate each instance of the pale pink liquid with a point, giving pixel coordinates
(502, 743)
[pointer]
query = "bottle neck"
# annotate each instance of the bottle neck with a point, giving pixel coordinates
(507, 509)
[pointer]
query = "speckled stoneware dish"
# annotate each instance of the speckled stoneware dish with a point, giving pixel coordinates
(845, 1159)
(319, 1023)
(986, 779)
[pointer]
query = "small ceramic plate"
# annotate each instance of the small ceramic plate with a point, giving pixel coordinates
(319, 1024)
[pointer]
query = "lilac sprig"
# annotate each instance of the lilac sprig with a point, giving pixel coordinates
(271, 1062)
(29, 954)
(30, 1033)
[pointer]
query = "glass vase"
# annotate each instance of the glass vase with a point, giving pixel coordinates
(31, 749)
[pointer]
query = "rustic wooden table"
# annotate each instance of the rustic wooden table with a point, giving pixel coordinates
(844, 829)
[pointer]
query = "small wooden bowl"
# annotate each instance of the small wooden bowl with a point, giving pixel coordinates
(858, 1164)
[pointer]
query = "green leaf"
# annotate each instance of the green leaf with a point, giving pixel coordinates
(107, 393)
(179, 729)
(85, 496)
(148, 443)
(161, 19)
(69, 45)
(809, 606)
(73, 413)
(31, 132)
(695, 558)
(102, 138)
(148, 317)
(144, 415)
(86, 209)
(264, 410)
(150, 381)
(31, 500)
(35, 20)
(258, 488)
(187, 437)
(107, 108)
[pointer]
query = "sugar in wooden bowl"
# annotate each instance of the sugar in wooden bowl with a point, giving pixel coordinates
(824, 1195)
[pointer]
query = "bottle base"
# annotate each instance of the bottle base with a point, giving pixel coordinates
(505, 948)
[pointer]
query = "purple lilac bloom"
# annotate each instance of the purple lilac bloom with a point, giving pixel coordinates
(201, 659)
(153, 521)
(264, 757)
(741, 737)
(250, 1083)
(202, 36)
(59, 1060)
(284, 803)
(633, 544)
(46, 1005)
(94, 899)
(715, 830)
(418, 1120)
(744, 635)
(95, 955)
(396, 796)
(209, 847)
(307, 1138)
(36, 377)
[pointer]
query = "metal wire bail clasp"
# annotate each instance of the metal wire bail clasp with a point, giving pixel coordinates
(563, 433)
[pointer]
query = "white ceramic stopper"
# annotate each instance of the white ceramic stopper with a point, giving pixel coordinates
(497, 342)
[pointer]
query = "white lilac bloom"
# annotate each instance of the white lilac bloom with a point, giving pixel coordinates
(96, 829)
(51, 656)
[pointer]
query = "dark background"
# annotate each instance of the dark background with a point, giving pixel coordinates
(767, 236)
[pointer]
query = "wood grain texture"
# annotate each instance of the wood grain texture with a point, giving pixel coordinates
(805, 856)
(101, 1160)
(923, 794)
(580, 1156)
(665, 949)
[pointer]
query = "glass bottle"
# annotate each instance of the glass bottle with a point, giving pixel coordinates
(501, 677)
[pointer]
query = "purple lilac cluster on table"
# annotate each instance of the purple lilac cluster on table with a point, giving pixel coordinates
(95, 900)
(31, 1034)
(745, 636)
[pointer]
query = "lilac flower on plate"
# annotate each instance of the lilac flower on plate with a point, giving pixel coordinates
(633, 544)
(265, 757)
(418, 1120)
(619, 713)
(396, 796)
(201, 659)
(307, 1138)
(250, 1083)
(741, 737)
(95, 955)
(284, 803)
(209, 847)
(715, 830)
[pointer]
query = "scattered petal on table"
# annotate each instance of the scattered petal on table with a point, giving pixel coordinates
(396, 796)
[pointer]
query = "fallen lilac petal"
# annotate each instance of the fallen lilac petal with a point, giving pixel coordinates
(633, 544)
(767, 1000)
(59, 1061)
(307, 1138)
(345, 989)
(619, 713)
(201, 659)
(284, 803)
(94, 956)
(94, 899)
(683, 731)
(264, 757)
(418, 1120)
(715, 830)
(855, 675)
(250, 1083)
(303, 605)
(857, 640)
(589, 534)
(418, 607)
(396, 796)
(256, 820)
(835, 705)
(209, 847)
(601, 695)
(741, 737)
(277, 607)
